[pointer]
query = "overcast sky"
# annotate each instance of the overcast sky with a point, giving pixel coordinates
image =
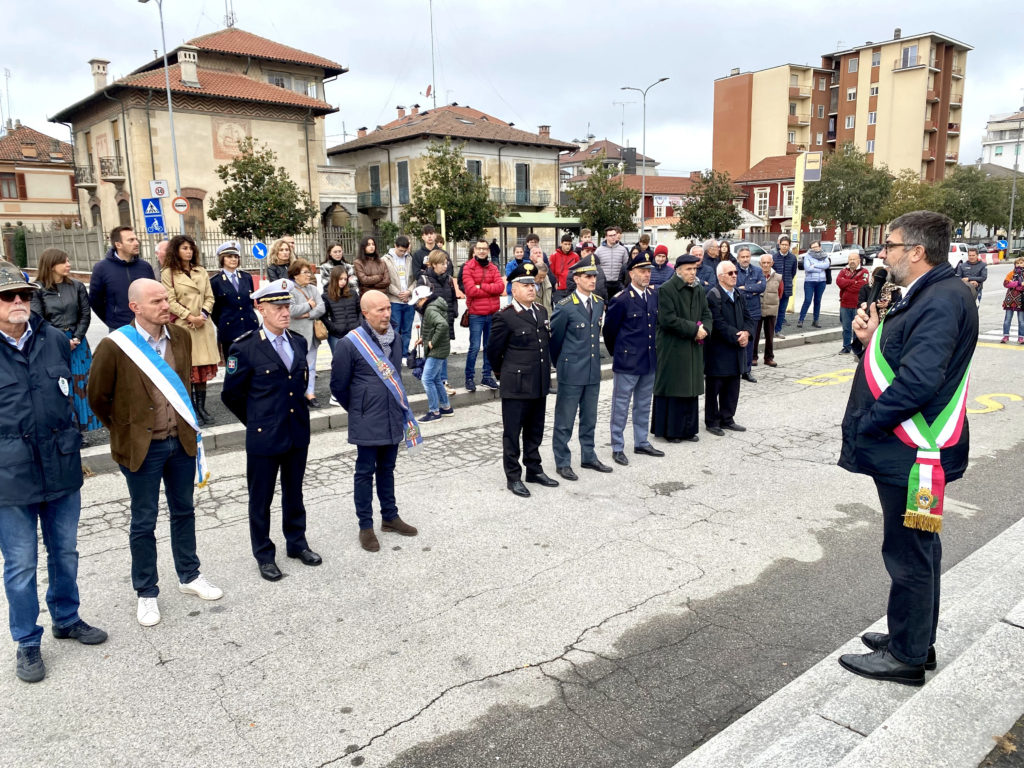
(530, 62)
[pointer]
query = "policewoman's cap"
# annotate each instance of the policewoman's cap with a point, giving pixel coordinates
(641, 261)
(229, 248)
(524, 273)
(274, 292)
(584, 266)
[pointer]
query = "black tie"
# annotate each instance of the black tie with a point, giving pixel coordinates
(590, 309)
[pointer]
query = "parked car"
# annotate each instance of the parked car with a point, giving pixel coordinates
(756, 251)
(866, 259)
(832, 249)
(872, 252)
(957, 253)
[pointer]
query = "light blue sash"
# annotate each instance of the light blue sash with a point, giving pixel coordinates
(387, 374)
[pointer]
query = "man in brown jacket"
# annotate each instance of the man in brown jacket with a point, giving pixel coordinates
(151, 438)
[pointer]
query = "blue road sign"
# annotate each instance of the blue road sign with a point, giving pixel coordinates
(1002, 245)
(153, 212)
(259, 250)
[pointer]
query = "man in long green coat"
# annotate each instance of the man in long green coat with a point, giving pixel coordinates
(684, 321)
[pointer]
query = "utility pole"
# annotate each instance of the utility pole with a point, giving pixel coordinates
(643, 152)
(622, 136)
(433, 71)
(1016, 165)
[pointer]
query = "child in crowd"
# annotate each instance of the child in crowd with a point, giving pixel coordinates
(1013, 303)
(436, 347)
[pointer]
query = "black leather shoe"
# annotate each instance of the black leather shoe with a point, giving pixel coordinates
(311, 401)
(882, 665)
(81, 632)
(517, 487)
(748, 377)
(595, 465)
(270, 571)
(734, 427)
(879, 641)
(648, 450)
(620, 458)
(567, 473)
(542, 479)
(716, 431)
(308, 557)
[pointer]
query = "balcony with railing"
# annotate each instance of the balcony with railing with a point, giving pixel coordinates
(780, 211)
(527, 198)
(956, 100)
(795, 149)
(957, 71)
(907, 62)
(953, 129)
(799, 91)
(928, 155)
(85, 177)
(932, 95)
(375, 198)
(800, 119)
(112, 169)
(929, 126)
(952, 157)
(830, 137)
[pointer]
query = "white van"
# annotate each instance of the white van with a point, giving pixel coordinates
(957, 253)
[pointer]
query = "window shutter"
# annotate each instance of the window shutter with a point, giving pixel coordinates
(74, 189)
(22, 194)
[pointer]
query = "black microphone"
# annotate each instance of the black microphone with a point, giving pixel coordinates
(878, 277)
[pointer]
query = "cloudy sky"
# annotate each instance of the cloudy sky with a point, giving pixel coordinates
(530, 62)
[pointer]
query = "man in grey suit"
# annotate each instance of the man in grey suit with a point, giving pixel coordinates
(575, 346)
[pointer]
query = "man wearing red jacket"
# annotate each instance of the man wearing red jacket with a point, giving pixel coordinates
(483, 285)
(850, 280)
(562, 261)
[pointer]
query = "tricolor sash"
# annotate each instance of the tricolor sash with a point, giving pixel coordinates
(927, 484)
(164, 378)
(386, 373)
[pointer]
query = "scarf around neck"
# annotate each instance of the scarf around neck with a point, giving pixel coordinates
(384, 340)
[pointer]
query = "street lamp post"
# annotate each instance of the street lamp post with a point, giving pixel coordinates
(1013, 190)
(170, 111)
(643, 151)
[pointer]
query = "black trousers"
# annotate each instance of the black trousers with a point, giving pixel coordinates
(913, 559)
(526, 418)
(721, 396)
(261, 474)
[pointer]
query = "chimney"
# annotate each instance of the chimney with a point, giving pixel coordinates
(17, 123)
(415, 110)
(361, 132)
(188, 63)
(544, 131)
(896, 33)
(401, 112)
(99, 73)
(695, 175)
(734, 71)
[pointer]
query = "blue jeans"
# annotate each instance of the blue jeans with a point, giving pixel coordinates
(20, 547)
(812, 291)
(641, 390)
(846, 315)
(479, 325)
(787, 294)
(375, 461)
(165, 461)
(403, 315)
(1009, 318)
(435, 371)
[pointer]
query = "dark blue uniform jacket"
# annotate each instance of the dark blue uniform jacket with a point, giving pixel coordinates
(630, 331)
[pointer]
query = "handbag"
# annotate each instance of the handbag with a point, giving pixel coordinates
(464, 321)
(320, 330)
(828, 276)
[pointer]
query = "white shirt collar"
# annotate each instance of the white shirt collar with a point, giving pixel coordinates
(520, 308)
(20, 343)
(583, 298)
(151, 340)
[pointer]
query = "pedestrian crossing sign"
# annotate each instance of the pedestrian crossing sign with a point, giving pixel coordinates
(152, 211)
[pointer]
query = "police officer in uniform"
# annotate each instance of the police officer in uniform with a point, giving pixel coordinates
(518, 351)
(630, 328)
(575, 346)
(265, 387)
(232, 297)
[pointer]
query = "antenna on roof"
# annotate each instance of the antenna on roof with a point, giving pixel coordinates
(229, 14)
(433, 75)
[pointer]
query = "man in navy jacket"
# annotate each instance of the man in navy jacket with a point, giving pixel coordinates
(785, 264)
(108, 286)
(376, 422)
(40, 475)
(928, 340)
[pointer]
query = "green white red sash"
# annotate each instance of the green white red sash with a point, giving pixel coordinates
(927, 484)
(386, 373)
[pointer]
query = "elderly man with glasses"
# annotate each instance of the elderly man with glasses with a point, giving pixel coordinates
(725, 357)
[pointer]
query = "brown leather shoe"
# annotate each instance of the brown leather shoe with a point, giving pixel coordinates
(368, 540)
(398, 525)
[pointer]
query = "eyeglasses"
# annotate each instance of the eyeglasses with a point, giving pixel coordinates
(888, 246)
(730, 272)
(8, 296)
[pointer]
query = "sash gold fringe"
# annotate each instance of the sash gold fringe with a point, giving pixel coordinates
(923, 521)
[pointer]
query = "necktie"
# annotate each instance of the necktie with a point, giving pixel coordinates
(234, 280)
(279, 346)
(590, 309)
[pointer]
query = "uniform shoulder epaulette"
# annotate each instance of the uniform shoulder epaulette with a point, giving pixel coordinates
(567, 300)
(245, 335)
(598, 298)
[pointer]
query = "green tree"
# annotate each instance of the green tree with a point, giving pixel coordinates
(910, 193)
(969, 195)
(710, 209)
(851, 191)
(445, 183)
(387, 231)
(601, 200)
(259, 200)
(20, 247)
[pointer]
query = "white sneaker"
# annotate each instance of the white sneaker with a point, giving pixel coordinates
(200, 587)
(149, 612)
(334, 401)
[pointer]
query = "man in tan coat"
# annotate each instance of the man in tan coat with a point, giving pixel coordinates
(138, 389)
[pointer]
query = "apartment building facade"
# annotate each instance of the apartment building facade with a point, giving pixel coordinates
(37, 183)
(1004, 135)
(898, 101)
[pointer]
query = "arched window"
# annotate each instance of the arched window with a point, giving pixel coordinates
(195, 223)
(124, 214)
(97, 219)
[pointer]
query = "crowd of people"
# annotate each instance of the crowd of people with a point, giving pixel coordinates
(673, 332)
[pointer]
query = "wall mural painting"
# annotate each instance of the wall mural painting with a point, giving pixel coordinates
(228, 133)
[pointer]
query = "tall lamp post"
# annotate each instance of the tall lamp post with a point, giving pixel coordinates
(643, 151)
(1013, 190)
(170, 111)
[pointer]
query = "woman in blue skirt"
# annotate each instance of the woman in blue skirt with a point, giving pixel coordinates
(64, 303)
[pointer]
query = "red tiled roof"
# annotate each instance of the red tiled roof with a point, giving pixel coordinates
(11, 146)
(612, 151)
(241, 43)
(226, 85)
(454, 121)
(662, 221)
(658, 185)
(776, 168)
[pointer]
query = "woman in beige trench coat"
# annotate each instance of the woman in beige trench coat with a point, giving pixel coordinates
(191, 298)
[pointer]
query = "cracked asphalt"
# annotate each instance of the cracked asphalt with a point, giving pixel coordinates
(619, 620)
